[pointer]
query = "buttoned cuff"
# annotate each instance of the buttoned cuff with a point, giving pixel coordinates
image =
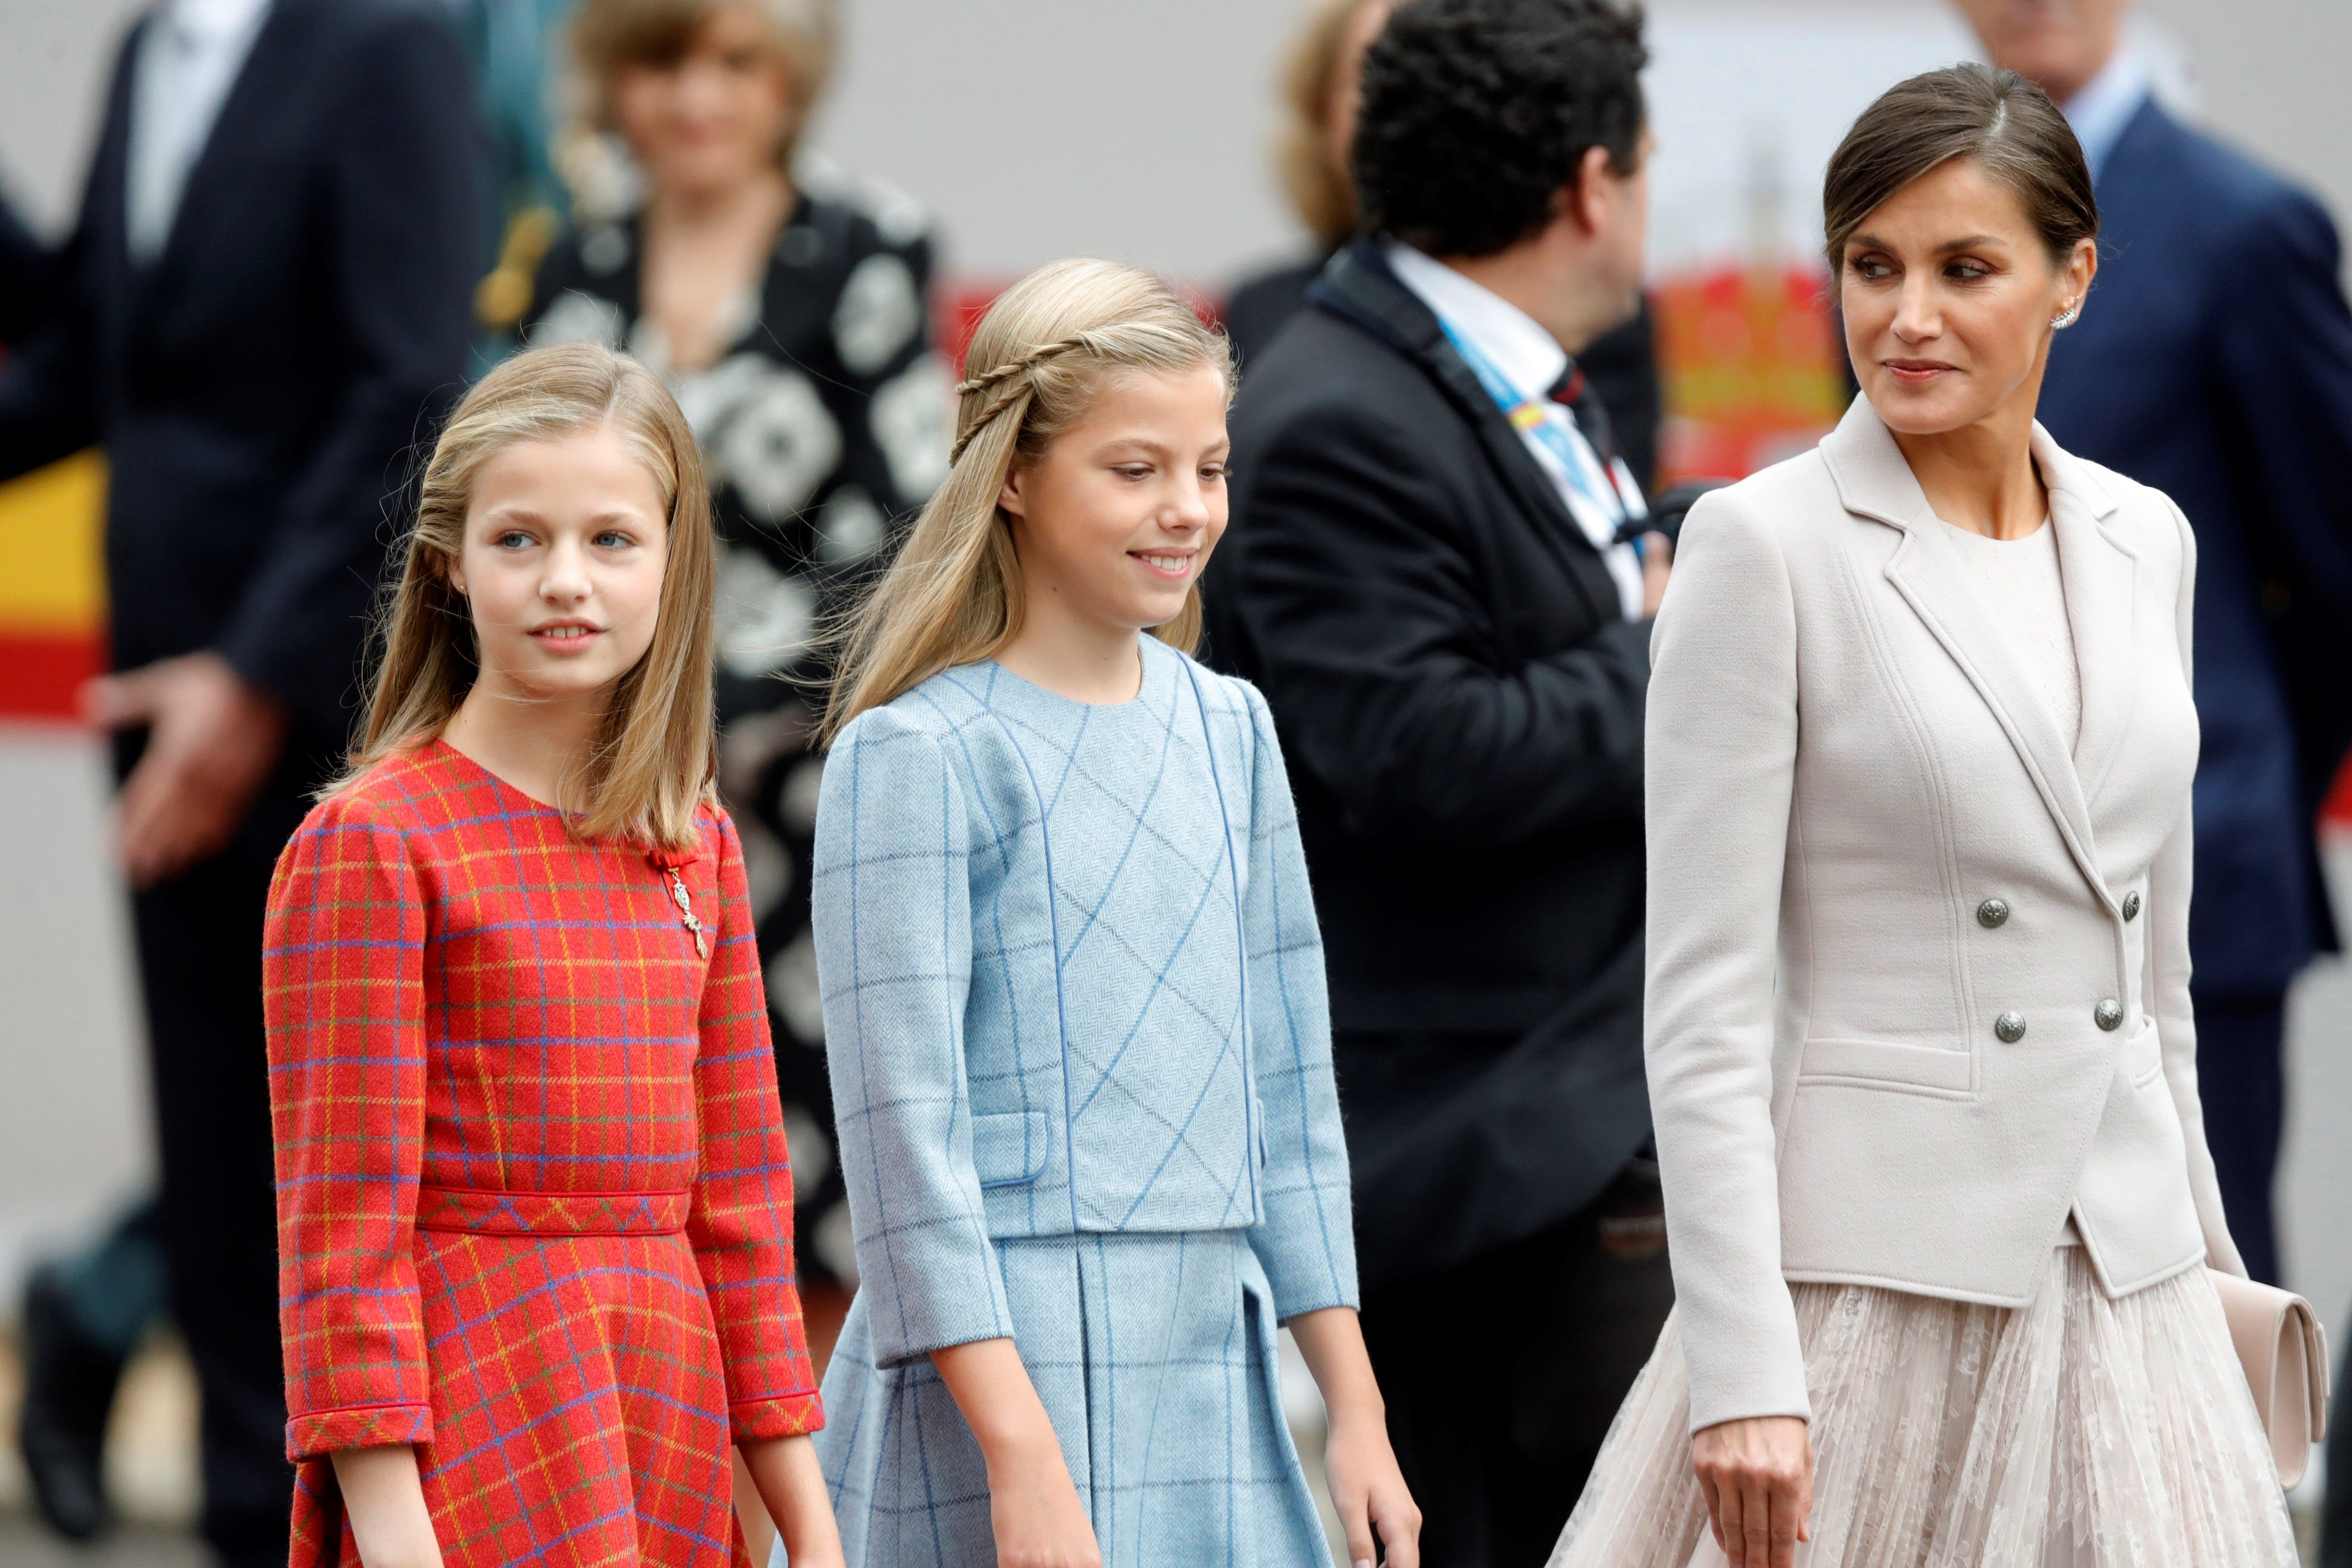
(324, 1432)
(777, 1416)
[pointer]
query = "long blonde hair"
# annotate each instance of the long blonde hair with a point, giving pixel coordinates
(653, 760)
(953, 595)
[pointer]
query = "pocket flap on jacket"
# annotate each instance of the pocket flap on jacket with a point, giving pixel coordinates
(1883, 1062)
(1010, 1148)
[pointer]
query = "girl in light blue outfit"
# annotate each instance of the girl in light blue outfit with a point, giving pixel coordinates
(1075, 1003)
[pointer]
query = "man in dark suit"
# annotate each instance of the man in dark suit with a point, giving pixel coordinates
(263, 303)
(1425, 577)
(2214, 360)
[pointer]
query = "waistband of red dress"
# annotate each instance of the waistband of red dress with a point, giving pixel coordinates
(550, 1213)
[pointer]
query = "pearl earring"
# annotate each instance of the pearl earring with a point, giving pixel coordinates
(2067, 317)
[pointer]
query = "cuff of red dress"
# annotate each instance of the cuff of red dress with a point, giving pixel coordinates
(777, 1416)
(323, 1432)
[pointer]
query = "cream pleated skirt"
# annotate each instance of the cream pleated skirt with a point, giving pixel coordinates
(2078, 1432)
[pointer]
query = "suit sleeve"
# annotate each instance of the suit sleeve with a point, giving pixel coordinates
(1722, 760)
(343, 997)
(401, 250)
(892, 909)
(1305, 1241)
(2170, 885)
(740, 1221)
(1364, 611)
(48, 386)
(2283, 343)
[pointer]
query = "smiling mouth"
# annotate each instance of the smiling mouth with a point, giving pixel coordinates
(566, 637)
(1917, 372)
(1165, 565)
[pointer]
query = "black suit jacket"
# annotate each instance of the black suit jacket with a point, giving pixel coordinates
(2214, 361)
(259, 389)
(1460, 702)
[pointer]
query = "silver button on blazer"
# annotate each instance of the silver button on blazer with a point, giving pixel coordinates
(1900, 1020)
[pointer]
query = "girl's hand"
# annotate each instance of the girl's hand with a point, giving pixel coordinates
(785, 1472)
(1757, 1475)
(1033, 1504)
(1367, 1487)
(385, 1499)
(1034, 1508)
(1369, 1491)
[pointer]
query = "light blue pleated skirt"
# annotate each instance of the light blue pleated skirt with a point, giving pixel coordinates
(1156, 1358)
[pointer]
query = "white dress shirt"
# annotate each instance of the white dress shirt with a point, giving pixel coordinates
(2106, 105)
(1531, 360)
(189, 58)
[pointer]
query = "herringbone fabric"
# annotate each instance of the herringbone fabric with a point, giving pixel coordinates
(1055, 1023)
(534, 1199)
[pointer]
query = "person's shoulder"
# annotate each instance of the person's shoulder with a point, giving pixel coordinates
(2145, 521)
(388, 23)
(2232, 191)
(1777, 499)
(1325, 381)
(400, 794)
(856, 214)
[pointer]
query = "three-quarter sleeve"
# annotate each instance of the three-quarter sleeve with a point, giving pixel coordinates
(1305, 1239)
(2169, 877)
(342, 992)
(740, 1221)
(892, 908)
(1721, 743)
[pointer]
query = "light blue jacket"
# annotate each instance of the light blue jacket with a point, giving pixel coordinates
(1171, 1072)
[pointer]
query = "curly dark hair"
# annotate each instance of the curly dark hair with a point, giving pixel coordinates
(1477, 113)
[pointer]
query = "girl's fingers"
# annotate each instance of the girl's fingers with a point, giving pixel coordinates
(1399, 1523)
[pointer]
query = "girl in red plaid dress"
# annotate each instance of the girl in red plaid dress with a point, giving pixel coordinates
(534, 1204)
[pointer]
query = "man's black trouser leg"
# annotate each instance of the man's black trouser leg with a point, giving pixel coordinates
(200, 962)
(1502, 1375)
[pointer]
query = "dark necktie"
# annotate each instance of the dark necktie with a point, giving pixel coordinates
(1574, 392)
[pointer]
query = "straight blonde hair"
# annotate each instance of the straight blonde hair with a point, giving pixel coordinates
(653, 761)
(1042, 354)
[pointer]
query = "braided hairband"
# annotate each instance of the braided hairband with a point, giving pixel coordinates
(997, 377)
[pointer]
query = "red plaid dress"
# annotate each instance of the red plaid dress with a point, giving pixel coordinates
(534, 1208)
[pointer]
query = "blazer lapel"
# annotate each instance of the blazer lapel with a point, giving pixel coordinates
(2099, 571)
(1358, 285)
(251, 95)
(1875, 481)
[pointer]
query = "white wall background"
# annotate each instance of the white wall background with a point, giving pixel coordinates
(1135, 129)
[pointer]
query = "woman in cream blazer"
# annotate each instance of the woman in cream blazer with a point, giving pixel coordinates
(1922, 1058)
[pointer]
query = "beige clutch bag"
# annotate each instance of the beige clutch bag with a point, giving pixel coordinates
(2283, 1349)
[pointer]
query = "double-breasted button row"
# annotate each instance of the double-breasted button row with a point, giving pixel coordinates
(2010, 1026)
(1994, 912)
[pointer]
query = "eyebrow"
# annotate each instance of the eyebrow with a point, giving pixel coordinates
(1146, 445)
(1950, 246)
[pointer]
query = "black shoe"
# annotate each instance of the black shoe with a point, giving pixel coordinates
(69, 1390)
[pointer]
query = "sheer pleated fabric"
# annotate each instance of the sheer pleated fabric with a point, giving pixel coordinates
(2078, 1432)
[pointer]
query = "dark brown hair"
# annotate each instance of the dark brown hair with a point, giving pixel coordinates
(2004, 122)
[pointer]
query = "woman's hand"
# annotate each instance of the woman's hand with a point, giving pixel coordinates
(1757, 1475)
(385, 1499)
(1034, 1506)
(791, 1488)
(1366, 1489)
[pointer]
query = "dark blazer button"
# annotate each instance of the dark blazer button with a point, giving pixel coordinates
(2010, 1026)
(2131, 907)
(1991, 912)
(2108, 1014)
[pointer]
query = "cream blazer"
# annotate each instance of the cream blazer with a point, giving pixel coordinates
(1917, 974)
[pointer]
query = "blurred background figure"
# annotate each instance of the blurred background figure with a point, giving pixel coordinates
(1322, 85)
(1427, 575)
(2214, 361)
(25, 266)
(264, 295)
(516, 47)
(789, 308)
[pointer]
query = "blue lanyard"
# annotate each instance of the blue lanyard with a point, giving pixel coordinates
(1535, 416)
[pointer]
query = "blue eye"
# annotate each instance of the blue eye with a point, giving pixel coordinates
(612, 538)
